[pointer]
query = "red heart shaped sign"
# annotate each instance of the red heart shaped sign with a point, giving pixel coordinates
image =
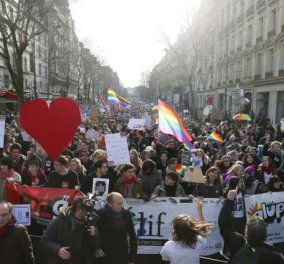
(52, 126)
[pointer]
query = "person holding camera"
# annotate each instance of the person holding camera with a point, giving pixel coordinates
(72, 237)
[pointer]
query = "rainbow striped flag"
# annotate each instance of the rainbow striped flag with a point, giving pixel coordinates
(115, 98)
(170, 123)
(180, 169)
(216, 137)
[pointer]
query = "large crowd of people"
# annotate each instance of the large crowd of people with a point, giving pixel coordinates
(250, 161)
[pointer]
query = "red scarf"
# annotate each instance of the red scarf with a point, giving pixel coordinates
(263, 169)
(32, 177)
(126, 181)
(4, 228)
(10, 174)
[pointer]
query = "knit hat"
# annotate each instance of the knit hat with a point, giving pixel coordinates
(249, 170)
(226, 157)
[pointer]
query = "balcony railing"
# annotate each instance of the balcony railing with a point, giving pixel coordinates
(260, 4)
(249, 11)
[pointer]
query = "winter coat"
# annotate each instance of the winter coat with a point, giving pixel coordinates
(150, 182)
(65, 231)
(160, 191)
(119, 241)
(16, 246)
(207, 191)
(260, 254)
(136, 189)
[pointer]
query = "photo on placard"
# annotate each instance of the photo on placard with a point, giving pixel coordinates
(100, 187)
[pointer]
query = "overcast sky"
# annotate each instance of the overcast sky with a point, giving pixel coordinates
(126, 33)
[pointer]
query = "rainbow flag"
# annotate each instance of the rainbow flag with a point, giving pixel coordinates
(180, 169)
(189, 147)
(216, 137)
(115, 98)
(170, 123)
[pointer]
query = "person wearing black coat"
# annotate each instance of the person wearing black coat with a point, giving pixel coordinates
(256, 251)
(15, 243)
(119, 243)
(70, 239)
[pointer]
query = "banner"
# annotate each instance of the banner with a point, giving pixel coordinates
(45, 202)
(270, 207)
(117, 149)
(152, 221)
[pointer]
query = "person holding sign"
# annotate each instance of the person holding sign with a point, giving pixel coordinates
(15, 243)
(188, 239)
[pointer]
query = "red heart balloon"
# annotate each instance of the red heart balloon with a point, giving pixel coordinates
(53, 126)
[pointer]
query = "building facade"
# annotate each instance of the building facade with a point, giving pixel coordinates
(241, 56)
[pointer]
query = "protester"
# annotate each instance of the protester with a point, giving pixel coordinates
(119, 244)
(135, 160)
(7, 175)
(100, 170)
(187, 240)
(17, 158)
(265, 170)
(213, 187)
(170, 187)
(128, 184)
(62, 177)
(71, 238)
(76, 166)
(15, 243)
(33, 175)
(150, 177)
(256, 250)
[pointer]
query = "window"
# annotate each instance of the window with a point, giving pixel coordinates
(269, 67)
(272, 21)
(39, 69)
(6, 81)
(248, 66)
(258, 65)
(45, 71)
(32, 68)
(249, 33)
(25, 64)
(232, 49)
(281, 66)
(260, 28)
(240, 40)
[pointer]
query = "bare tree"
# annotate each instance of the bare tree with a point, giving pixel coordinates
(20, 22)
(186, 52)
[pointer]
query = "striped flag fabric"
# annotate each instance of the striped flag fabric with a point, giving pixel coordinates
(170, 123)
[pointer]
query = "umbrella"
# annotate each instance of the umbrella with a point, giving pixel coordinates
(242, 117)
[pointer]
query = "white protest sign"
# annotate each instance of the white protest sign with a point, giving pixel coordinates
(100, 187)
(206, 111)
(148, 121)
(138, 124)
(2, 130)
(22, 213)
(194, 175)
(26, 137)
(270, 207)
(117, 149)
(152, 221)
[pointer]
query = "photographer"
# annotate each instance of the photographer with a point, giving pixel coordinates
(72, 237)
